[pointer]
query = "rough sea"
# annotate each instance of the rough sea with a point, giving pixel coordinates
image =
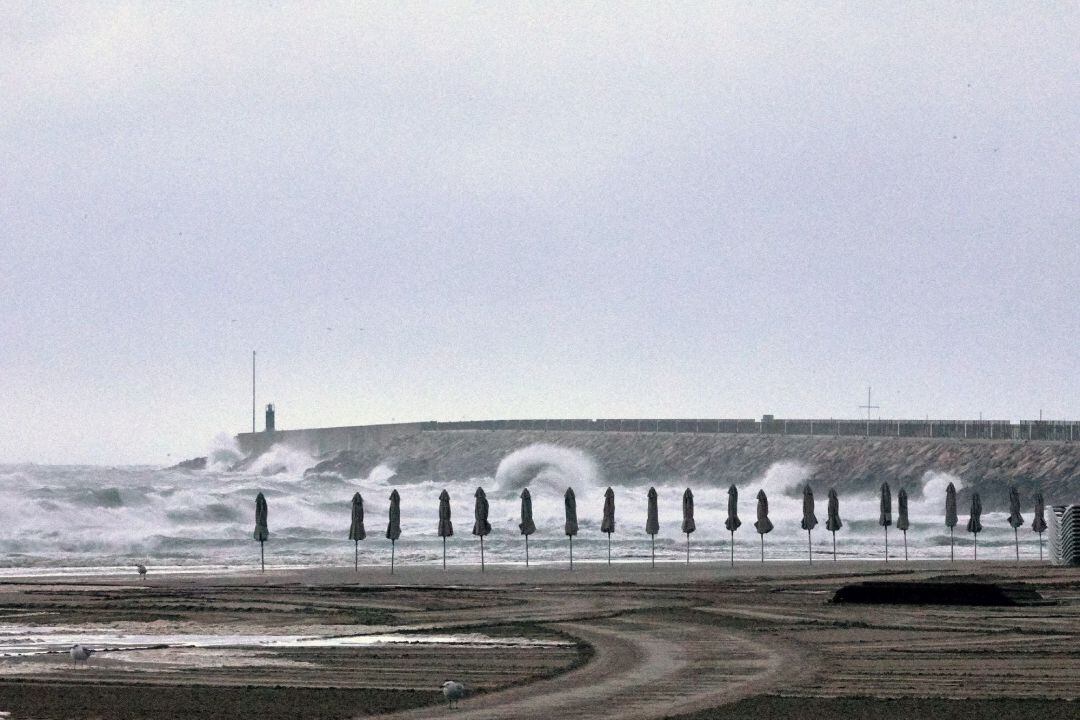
(79, 519)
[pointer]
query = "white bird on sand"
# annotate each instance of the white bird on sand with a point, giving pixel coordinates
(142, 570)
(78, 652)
(453, 691)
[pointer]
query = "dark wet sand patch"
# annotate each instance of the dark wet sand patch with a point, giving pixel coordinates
(52, 700)
(772, 707)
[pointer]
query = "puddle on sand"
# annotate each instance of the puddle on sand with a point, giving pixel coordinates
(23, 640)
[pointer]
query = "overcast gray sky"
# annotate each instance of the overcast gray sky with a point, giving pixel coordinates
(438, 211)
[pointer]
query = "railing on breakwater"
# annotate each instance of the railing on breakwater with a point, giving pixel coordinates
(1044, 430)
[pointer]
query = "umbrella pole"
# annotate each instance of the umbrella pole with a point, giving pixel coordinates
(356, 556)
(810, 547)
(392, 544)
(1016, 539)
(652, 539)
(762, 536)
(481, 553)
(1040, 546)
(444, 552)
(886, 543)
(262, 558)
(976, 546)
(952, 557)
(526, 551)
(905, 546)
(687, 548)
(732, 548)
(571, 551)
(609, 548)
(834, 546)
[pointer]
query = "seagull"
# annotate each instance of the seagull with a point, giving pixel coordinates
(142, 570)
(78, 652)
(451, 690)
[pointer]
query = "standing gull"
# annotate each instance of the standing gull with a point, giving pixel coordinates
(356, 528)
(481, 526)
(833, 523)
(262, 530)
(763, 524)
(1039, 523)
(950, 517)
(393, 527)
(901, 517)
(527, 526)
(1015, 518)
(80, 654)
(885, 517)
(733, 522)
(974, 523)
(652, 522)
(453, 691)
(570, 527)
(688, 524)
(607, 524)
(446, 527)
(809, 519)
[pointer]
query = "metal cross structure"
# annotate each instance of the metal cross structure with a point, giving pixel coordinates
(868, 407)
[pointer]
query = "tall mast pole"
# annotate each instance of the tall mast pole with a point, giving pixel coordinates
(253, 391)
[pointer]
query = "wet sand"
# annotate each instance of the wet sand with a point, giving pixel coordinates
(626, 641)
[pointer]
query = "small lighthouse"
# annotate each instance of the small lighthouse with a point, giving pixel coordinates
(270, 418)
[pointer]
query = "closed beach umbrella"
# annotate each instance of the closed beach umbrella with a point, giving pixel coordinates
(763, 524)
(570, 528)
(356, 528)
(950, 516)
(974, 523)
(527, 526)
(1015, 518)
(833, 523)
(688, 525)
(262, 530)
(393, 528)
(733, 522)
(652, 522)
(809, 519)
(901, 516)
(885, 517)
(446, 528)
(481, 526)
(607, 525)
(1039, 523)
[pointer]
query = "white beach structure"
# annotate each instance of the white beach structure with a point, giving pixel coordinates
(1063, 532)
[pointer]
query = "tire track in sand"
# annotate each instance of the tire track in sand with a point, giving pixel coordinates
(645, 665)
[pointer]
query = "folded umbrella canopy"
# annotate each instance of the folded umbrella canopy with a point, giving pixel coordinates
(833, 523)
(763, 524)
(356, 528)
(688, 525)
(901, 516)
(809, 519)
(885, 518)
(1015, 518)
(950, 516)
(1039, 523)
(481, 526)
(262, 530)
(607, 525)
(393, 528)
(652, 522)
(974, 523)
(527, 526)
(733, 522)
(446, 527)
(570, 527)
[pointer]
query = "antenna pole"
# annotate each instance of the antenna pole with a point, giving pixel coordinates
(252, 391)
(868, 406)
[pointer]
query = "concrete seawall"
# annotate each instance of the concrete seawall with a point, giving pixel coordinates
(324, 441)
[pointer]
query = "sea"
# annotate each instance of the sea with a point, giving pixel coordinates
(81, 519)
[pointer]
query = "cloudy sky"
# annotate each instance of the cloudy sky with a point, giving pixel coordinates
(446, 211)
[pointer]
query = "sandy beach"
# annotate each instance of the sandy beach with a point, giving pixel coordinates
(626, 641)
